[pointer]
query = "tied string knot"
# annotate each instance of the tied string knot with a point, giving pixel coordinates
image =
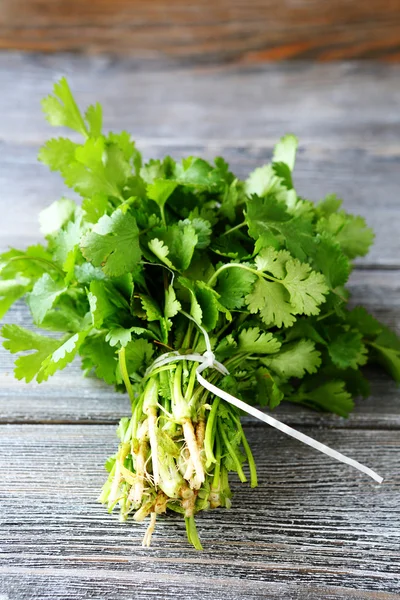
(208, 360)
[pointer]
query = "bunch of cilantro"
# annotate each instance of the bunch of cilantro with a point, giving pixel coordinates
(261, 269)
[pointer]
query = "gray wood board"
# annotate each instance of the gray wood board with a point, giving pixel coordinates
(69, 397)
(313, 528)
(346, 116)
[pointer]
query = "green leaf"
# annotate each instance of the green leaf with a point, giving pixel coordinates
(232, 287)
(202, 229)
(55, 216)
(272, 301)
(113, 244)
(11, 290)
(204, 302)
(285, 151)
(267, 391)
(307, 288)
(272, 261)
(172, 306)
(67, 247)
(94, 118)
(295, 359)
(100, 302)
(349, 231)
(181, 240)
(98, 168)
(387, 352)
(255, 341)
(61, 357)
(43, 296)
(366, 324)
(119, 336)
(331, 397)
(347, 350)
(61, 109)
(329, 258)
(151, 308)
(97, 354)
(18, 339)
(57, 153)
(95, 207)
(197, 172)
(160, 190)
(138, 355)
(161, 251)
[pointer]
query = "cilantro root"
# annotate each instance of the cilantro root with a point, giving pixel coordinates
(261, 271)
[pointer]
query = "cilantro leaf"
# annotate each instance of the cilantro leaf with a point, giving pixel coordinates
(349, 231)
(285, 151)
(57, 152)
(295, 359)
(61, 356)
(43, 296)
(97, 354)
(232, 287)
(172, 306)
(61, 109)
(94, 118)
(267, 390)
(56, 215)
(273, 302)
(113, 244)
(98, 168)
(307, 288)
(11, 290)
(255, 341)
(138, 355)
(180, 240)
(331, 397)
(347, 350)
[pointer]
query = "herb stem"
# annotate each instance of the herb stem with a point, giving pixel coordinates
(214, 277)
(228, 231)
(124, 373)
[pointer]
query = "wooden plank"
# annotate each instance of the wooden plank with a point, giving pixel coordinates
(219, 31)
(312, 529)
(345, 115)
(69, 397)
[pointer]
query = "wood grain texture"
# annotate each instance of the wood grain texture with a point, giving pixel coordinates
(219, 31)
(346, 117)
(68, 397)
(312, 529)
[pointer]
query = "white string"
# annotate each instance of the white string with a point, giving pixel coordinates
(208, 360)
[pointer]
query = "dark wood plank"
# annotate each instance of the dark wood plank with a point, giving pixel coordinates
(219, 31)
(345, 115)
(69, 397)
(312, 529)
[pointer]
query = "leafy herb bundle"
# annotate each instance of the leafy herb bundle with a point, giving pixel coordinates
(262, 270)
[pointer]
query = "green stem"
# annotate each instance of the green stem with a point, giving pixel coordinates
(232, 453)
(49, 263)
(124, 373)
(192, 534)
(249, 455)
(210, 433)
(214, 277)
(217, 469)
(233, 229)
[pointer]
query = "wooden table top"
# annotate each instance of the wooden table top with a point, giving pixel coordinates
(313, 528)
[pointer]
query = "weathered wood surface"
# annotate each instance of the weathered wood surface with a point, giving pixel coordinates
(206, 31)
(346, 117)
(312, 529)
